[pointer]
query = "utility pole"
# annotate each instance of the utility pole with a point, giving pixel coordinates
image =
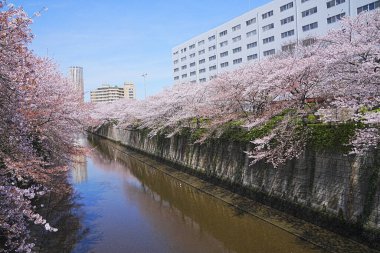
(144, 75)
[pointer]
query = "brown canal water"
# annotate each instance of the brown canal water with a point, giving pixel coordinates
(129, 206)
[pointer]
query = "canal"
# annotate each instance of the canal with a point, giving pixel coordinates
(130, 206)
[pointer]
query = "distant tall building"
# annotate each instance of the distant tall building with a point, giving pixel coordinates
(76, 76)
(108, 93)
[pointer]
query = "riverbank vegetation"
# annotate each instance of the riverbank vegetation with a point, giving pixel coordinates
(40, 114)
(323, 91)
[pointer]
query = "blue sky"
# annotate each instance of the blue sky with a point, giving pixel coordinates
(119, 40)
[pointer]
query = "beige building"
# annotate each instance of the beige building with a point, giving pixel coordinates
(129, 90)
(108, 93)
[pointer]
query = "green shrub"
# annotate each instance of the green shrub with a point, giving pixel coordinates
(197, 134)
(332, 137)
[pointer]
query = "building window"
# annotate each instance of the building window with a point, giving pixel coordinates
(224, 64)
(311, 26)
(309, 12)
(192, 55)
(308, 42)
(251, 57)
(268, 27)
(200, 43)
(267, 15)
(287, 34)
(224, 43)
(176, 77)
(252, 45)
(176, 61)
(251, 33)
(237, 61)
(289, 47)
(287, 20)
(286, 6)
(212, 58)
(269, 39)
(192, 64)
(193, 81)
(236, 50)
(211, 38)
(192, 46)
(251, 21)
(175, 53)
(201, 52)
(212, 67)
(184, 67)
(236, 28)
(332, 3)
(303, 1)
(269, 52)
(221, 34)
(184, 76)
(202, 71)
(176, 69)
(335, 18)
(212, 48)
(236, 39)
(202, 61)
(369, 7)
(202, 80)
(193, 73)
(224, 54)
(183, 58)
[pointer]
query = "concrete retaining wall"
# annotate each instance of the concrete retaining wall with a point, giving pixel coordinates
(340, 186)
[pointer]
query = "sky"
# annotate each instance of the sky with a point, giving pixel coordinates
(117, 41)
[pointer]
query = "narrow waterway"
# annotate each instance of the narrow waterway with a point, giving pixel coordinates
(128, 206)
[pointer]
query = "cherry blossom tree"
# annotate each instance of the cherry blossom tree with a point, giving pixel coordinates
(40, 113)
(352, 61)
(337, 74)
(171, 109)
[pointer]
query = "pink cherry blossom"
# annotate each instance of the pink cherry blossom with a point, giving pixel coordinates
(332, 79)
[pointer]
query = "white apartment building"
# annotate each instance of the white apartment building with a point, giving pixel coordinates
(108, 93)
(260, 33)
(76, 77)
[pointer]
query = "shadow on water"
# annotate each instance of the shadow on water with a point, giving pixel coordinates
(62, 211)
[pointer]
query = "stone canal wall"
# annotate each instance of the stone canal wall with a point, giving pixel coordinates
(330, 189)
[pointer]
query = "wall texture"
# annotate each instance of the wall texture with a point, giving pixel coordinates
(341, 187)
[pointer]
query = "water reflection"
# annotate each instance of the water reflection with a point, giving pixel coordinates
(135, 208)
(79, 169)
(61, 209)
